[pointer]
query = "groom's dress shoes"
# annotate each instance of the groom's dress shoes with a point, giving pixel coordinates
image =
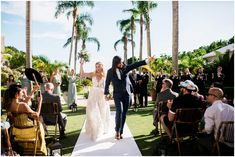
(121, 137)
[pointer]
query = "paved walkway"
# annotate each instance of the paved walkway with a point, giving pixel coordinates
(107, 145)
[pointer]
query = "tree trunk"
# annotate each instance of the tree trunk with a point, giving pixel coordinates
(73, 29)
(148, 36)
(125, 49)
(141, 37)
(75, 54)
(28, 37)
(132, 38)
(175, 37)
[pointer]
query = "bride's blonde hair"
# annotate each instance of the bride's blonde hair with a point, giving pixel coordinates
(102, 69)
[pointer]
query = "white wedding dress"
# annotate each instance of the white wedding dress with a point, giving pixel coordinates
(97, 110)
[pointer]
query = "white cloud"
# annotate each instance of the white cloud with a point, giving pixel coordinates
(15, 8)
(19, 23)
(51, 35)
(41, 12)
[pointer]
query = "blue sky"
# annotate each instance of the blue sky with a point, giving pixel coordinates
(200, 23)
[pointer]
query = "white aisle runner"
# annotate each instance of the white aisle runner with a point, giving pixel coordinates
(106, 145)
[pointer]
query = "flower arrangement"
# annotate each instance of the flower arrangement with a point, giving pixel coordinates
(84, 56)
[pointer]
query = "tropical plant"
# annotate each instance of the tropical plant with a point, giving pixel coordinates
(130, 60)
(175, 34)
(163, 62)
(73, 8)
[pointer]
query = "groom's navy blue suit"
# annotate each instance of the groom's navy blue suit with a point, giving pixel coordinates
(122, 89)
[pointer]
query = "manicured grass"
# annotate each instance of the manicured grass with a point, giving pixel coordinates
(140, 124)
(75, 121)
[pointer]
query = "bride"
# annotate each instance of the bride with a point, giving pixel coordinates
(97, 109)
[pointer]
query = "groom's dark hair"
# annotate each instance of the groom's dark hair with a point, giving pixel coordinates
(116, 61)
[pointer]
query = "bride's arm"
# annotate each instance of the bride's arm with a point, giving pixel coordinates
(83, 74)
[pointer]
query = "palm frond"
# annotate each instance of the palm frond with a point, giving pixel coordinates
(85, 17)
(68, 14)
(68, 42)
(61, 7)
(94, 40)
(117, 43)
(131, 41)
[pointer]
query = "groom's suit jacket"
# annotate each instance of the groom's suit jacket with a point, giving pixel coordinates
(124, 85)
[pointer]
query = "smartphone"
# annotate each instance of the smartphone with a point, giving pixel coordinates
(39, 93)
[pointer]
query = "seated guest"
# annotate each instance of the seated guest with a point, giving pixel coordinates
(213, 116)
(184, 100)
(20, 111)
(49, 97)
(163, 96)
(166, 93)
(195, 93)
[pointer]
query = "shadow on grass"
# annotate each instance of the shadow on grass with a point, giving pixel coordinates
(146, 143)
(188, 147)
(69, 142)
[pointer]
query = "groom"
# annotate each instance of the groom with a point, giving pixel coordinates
(118, 75)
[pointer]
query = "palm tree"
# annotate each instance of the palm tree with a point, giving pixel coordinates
(28, 37)
(144, 8)
(125, 28)
(123, 40)
(85, 38)
(80, 25)
(134, 14)
(71, 7)
(175, 37)
(140, 9)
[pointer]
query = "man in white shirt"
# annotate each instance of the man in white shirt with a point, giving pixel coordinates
(215, 114)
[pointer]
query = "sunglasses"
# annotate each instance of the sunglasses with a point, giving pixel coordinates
(212, 94)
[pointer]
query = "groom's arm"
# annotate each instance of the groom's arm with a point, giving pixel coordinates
(135, 65)
(107, 82)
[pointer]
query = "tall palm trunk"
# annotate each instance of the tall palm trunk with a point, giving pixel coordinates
(28, 36)
(73, 29)
(83, 44)
(148, 36)
(141, 37)
(75, 53)
(125, 48)
(132, 38)
(175, 37)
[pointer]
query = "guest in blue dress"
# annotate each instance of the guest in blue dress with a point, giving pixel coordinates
(72, 90)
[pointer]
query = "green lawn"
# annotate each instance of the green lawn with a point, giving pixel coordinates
(140, 124)
(74, 125)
